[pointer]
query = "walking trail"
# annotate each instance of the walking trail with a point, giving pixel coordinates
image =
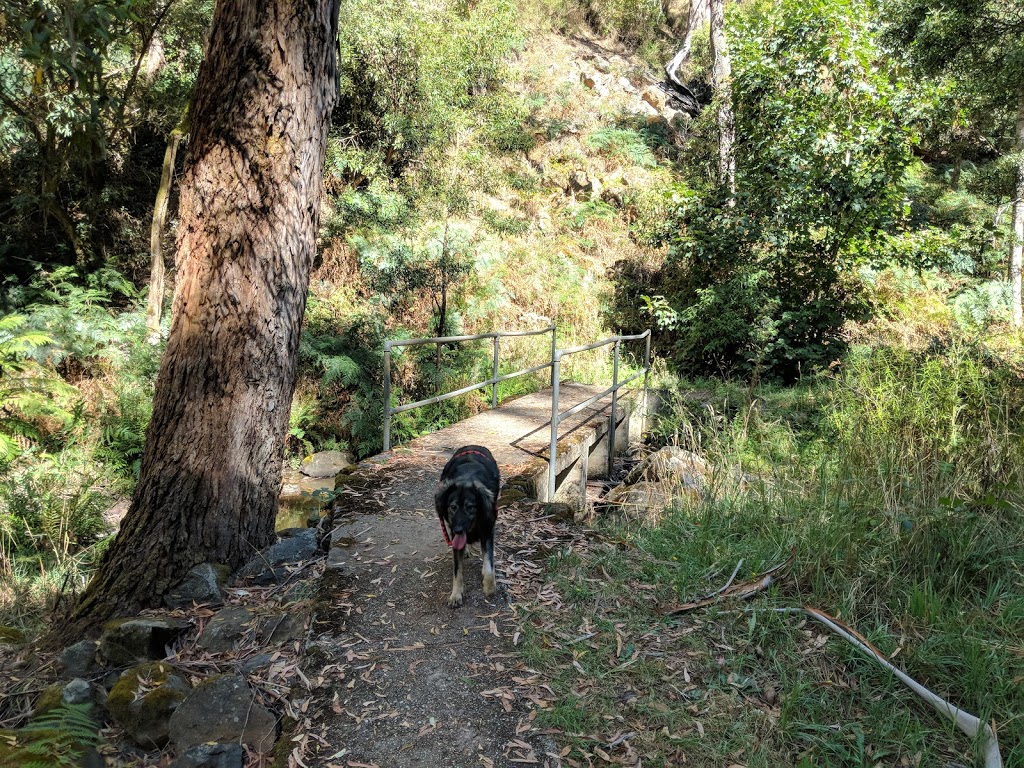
(412, 682)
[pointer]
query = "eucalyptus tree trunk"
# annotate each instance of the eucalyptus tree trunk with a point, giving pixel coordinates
(695, 20)
(157, 269)
(722, 73)
(250, 196)
(1017, 247)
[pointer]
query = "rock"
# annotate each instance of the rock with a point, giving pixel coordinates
(673, 464)
(644, 500)
(129, 641)
(78, 660)
(283, 627)
(656, 120)
(654, 97)
(625, 85)
(224, 709)
(227, 627)
(296, 544)
(144, 700)
(677, 118)
(212, 756)
(258, 661)
(53, 697)
(325, 463)
(602, 65)
(203, 584)
(588, 80)
(78, 691)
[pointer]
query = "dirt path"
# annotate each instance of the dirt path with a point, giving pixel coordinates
(413, 682)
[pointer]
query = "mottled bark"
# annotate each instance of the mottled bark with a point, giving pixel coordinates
(1017, 247)
(155, 299)
(722, 72)
(250, 194)
(695, 20)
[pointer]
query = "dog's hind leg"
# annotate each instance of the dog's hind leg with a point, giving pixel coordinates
(488, 570)
(455, 599)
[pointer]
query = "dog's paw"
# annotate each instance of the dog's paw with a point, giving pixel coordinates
(489, 585)
(455, 600)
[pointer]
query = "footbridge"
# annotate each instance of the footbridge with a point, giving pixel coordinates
(548, 443)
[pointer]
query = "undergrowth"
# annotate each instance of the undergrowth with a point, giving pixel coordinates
(896, 485)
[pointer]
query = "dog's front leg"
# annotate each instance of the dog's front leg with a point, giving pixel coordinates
(455, 599)
(488, 569)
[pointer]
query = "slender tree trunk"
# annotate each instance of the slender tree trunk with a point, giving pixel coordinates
(1017, 247)
(155, 299)
(696, 19)
(250, 196)
(722, 71)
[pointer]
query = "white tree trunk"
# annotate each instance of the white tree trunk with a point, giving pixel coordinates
(722, 71)
(697, 18)
(1017, 247)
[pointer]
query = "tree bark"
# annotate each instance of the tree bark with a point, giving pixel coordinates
(1017, 246)
(250, 195)
(697, 18)
(155, 298)
(722, 71)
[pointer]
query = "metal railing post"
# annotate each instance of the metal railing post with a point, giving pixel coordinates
(387, 396)
(647, 375)
(554, 347)
(615, 405)
(555, 364)
(494, 383)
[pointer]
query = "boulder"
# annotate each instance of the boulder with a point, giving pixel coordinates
(654, 97)
(601, 64)
(222, 709)
(283, 628)
(144, 700)
(212, 756)
(325, 463)
(227, 627)
(296, 545)
(672, 464)
(203, 584)
(644, 500)
(78, 660)
(129, 641)
(78, 691)
(626, 86)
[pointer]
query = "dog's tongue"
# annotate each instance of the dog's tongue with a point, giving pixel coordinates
(459, 541)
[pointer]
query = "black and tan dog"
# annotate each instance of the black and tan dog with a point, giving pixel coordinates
(466, 502)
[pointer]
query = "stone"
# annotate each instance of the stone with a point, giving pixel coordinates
(325, 463)
(283, 627)
(673, 464)
(203, 584)
(654, 97)
(227, 627)
(128, 641)
(588, 80)
(258, 661)
(78, 691)
(602, 65)
(52, 697)
(626, 86)
(78, 660)
(222, 709)
(212, 756)
(644, 500)
(296, 545)
(144, 700)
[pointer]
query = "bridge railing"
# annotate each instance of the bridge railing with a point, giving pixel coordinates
(559, 416)
(390, 411)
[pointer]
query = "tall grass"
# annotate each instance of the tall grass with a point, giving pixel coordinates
(897, 484)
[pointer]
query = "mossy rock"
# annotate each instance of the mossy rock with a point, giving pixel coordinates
(11, 636)
(50, 700)
(144, 699)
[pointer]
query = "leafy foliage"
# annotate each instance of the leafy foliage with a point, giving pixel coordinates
(59, 737)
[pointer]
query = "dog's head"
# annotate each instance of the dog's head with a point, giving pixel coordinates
(462, 501)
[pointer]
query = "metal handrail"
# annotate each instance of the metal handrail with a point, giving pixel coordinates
(557, 417)
(439, 340)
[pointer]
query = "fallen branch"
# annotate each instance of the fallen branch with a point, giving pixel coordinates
(743, 591)
(965, 721)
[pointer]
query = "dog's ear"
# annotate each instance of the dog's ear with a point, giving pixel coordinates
(441, 494)
(484, 491)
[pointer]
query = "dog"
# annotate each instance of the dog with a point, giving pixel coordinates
(466, 503)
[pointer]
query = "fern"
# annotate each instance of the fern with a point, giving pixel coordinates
(58, 738)
(340, 368)
(623, 143)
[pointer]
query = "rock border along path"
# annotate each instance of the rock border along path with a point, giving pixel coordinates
(411, 681)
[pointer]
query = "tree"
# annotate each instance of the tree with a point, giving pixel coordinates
(250, 198)
(979, 45)
(722, 71)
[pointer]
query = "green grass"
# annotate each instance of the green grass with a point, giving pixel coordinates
(896, 485)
